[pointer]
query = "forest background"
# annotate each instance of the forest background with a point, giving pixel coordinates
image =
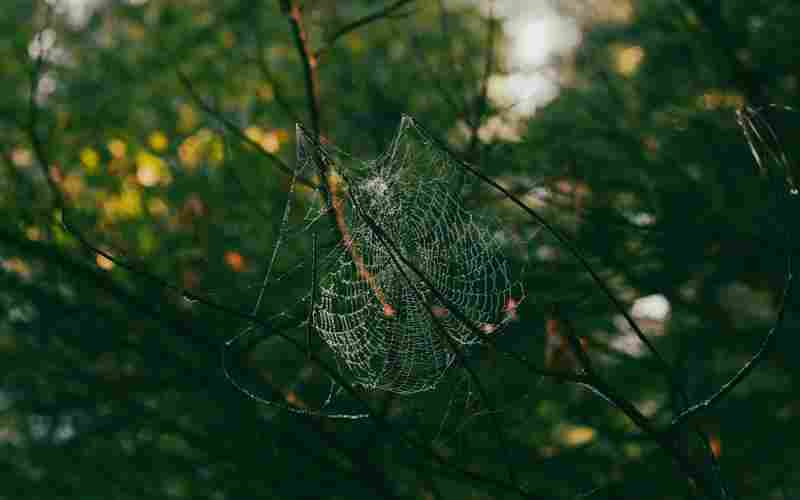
(149, 149)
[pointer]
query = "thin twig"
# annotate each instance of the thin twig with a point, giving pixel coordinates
(567, 243)
(395, 257)
(234, 129)
(309, 62)
(43, 161)
(481, 102)
(331, 192)
(767, 344)
(588, 380)
(381, 14)
(599, 385)
(379, 421)
(311, 311)
(452, 307)
(277, 87)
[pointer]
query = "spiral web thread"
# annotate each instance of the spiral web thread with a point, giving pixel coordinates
(384, 334)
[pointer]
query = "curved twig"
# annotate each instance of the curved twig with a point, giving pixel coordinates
(767, 344)
(383, 13)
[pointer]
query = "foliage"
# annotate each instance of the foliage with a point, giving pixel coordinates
(146, 165)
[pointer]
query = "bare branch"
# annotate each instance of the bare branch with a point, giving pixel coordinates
(382, 14)
(767, 344)
(234, 129)
(395, 252)
(571, 248)
(277, 88)
(309, 62)
(590, 380)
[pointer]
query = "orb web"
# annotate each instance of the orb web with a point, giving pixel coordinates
(383, 322)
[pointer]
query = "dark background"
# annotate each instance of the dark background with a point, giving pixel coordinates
(129, 128)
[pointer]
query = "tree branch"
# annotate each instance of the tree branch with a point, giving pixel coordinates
(309, 62)
(277, 88)
(384, 13)
(234, 129)
(767, 344)
(571, 248)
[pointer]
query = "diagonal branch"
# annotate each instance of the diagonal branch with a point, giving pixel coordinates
(566, 243)
(271, 329)
(277, 87)
(233, 128)
(395, 252)
(588, 380)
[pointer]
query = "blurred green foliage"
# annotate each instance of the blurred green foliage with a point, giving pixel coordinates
(111, 384)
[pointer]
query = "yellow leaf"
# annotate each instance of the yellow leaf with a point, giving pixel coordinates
(103, 262)
(576, 435)
(117, 148)
(187, 118)
(90, 160)
(158, 141)
(22, 157)
(628, 59)
(149, 169)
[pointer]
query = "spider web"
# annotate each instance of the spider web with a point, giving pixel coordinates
(386, 326)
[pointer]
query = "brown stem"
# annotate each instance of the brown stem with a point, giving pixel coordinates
(309, 62)
(311, 75)
(351, 246)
